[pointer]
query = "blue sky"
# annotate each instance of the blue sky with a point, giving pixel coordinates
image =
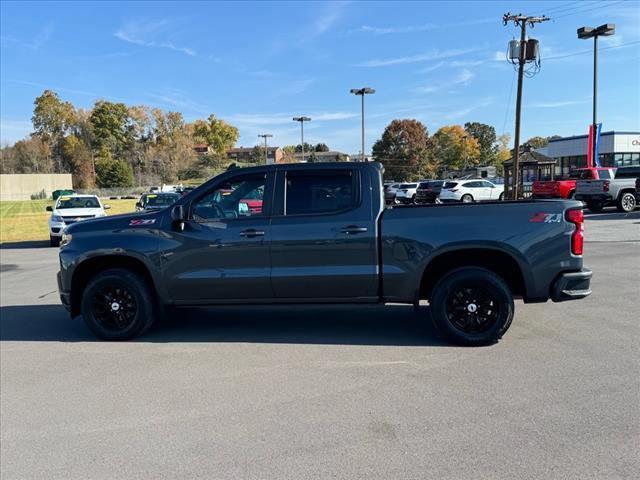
(257, 64)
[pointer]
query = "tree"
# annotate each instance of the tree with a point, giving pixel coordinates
(51, 120)
(537, 142)
(173, 148)
(31, 155)
(486, 137)
(503, 151)
(307, 148)
(218, 134)
(77, 159)
(321, 147)
(109, 121)
(112, 173)
(403, 149)
(454, 149)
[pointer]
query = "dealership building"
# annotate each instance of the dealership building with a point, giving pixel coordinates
(616, 149)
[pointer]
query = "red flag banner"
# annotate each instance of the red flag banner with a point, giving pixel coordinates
(590, 147)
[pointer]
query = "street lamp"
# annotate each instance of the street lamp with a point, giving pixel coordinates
(302, 120)
(265, 136)
(362, 92)
(584, 33)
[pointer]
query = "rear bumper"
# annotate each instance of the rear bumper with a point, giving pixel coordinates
(593, 197)
(572, 286)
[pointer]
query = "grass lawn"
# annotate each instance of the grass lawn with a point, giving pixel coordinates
(26, 220)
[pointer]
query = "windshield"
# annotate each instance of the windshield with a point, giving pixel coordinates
(424, 185)
(409, 185)
(161, 200)
(77, 202)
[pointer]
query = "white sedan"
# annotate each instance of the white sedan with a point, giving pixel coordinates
(468, 191)
(69, 209)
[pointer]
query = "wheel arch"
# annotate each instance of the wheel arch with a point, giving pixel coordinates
(497, 261)
(90, 267)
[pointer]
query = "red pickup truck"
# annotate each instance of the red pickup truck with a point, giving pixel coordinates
(565, 188)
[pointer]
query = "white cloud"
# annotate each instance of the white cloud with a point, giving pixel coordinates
(13, 130)
(330, 17)
(419, 28)
(558, 104)
(462, 78)
(421, 57)
(147, 34)
(462, 113)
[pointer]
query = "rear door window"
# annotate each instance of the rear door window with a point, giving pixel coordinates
(604, 175)
(324, 192)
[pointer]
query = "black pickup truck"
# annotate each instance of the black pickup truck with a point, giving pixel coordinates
(320, 233)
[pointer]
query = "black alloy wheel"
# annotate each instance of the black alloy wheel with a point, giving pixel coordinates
(114, 307)
(472, 309)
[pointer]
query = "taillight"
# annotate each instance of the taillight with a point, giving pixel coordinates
(605, 186)
(577, 237)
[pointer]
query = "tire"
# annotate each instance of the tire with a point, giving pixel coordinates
(595, 207)
(466, 198)
(627, 202)
(501, 197)
(54, 241)
(571, 194)
(135, 312)
(413, 199)
(472, 306)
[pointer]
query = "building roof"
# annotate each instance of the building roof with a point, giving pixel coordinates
(531, 156)
(250, 149)
(602, 134)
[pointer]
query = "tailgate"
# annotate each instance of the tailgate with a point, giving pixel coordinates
(545, 188)
(587, 187)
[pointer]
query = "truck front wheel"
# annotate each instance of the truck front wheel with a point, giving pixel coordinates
(472, 306)
(117, 304)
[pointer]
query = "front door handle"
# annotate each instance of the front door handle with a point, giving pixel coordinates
(252, 232)
(352, 229)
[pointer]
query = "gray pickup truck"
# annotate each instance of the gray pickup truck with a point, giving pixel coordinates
(320, 233)
(619, 191)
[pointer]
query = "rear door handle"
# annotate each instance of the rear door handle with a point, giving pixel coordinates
(250, 233)
(352, 229)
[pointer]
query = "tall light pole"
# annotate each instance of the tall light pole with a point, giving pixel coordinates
(265, 136)
(302, 120)
(584, 33)
(362, 92)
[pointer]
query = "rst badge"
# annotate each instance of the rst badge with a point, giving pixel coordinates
(142, 222)
(546, 218)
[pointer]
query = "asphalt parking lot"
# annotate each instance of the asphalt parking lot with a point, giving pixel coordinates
(331, 392)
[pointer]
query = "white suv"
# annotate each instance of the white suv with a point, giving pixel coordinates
(69, 209)
(406, 192)
(467, 191)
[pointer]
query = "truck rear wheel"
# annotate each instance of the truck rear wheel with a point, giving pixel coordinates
(117, 304)
(472, 306)
(626, 202)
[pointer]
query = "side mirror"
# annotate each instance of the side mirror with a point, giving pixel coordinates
(49, 208)
(106, 207)
(178, 216)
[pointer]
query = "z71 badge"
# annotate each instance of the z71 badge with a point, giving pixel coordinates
(546, 218)
(142, 222)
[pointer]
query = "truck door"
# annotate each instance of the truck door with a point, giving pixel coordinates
(222, 255)
(323, 235)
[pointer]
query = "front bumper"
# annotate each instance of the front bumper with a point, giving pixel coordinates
(572, 286)
(65, 297)
(55, 229)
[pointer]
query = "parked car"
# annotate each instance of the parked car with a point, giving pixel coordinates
(468, 191)
(69, 209)
(390, 192)
(427, 192)
(324, 235)
(186, 190)
(619, 191)
(566, 187)
(406, 193)
(638, 191)
(156, 201)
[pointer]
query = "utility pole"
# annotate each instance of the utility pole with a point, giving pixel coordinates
(362, 92)
(520, 21)
(265, 136)
(302, 120)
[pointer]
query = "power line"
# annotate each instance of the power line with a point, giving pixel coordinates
(582, 52)
(565, 7)
(590, 9)
(506, 113)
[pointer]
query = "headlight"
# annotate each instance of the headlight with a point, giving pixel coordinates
(57, 219)
(66, 238)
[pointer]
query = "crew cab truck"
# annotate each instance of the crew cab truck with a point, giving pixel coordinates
(323, 235)
(619, 191)
(566, 187)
